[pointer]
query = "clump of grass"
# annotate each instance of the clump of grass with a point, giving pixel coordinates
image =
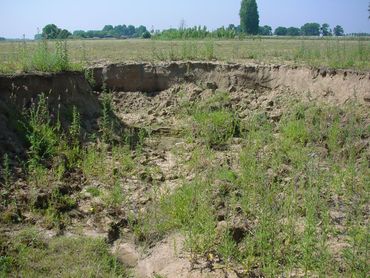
(28, 254)
(214, 122)
(89, 75)
(46, 60)
(187, 209)
(93, 163)
(73, 152)
(47, 140)
(94, 191)
(209, 50)
(114, 196)
(99, 164)
(6, 171)
(215, 128)
(186, 50)
(107, 121)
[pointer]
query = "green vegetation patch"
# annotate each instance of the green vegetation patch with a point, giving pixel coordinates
(213, 121)
(297, 186)
(29, 255)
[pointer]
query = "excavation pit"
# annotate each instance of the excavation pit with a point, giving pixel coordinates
(184, 158)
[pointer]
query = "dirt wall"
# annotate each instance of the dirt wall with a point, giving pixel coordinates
(63, 91)
(339, 85)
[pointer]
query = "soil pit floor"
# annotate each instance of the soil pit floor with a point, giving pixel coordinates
(118, 188)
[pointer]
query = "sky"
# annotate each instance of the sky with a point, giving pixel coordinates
(18, 17)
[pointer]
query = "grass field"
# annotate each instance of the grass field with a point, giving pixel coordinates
(333, 53)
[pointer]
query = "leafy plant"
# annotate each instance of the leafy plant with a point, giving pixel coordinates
(216, 127)
(107, 122)
(41, 134)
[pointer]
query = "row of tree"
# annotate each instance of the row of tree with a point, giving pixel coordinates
(198, 32)
(232, 31)
(51, 31)
(249, 22)
(119, 31)
(309, 29)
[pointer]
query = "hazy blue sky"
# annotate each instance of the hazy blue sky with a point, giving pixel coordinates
(19, 17)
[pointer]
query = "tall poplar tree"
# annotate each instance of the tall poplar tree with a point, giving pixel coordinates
(249, 17)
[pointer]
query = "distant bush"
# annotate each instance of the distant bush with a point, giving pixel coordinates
(338, 31)
(2, 39)
(51, 31)
(265, 30)
(281, 31)
(293, 31)
(311, 29)
(110, 31)
(146, 35)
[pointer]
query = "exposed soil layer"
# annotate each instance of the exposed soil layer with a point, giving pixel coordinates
(151, 97)
(338, 85)
(63, 91)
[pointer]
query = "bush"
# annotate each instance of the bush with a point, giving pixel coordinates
(41, 135)
(216, 127)
(44, 59)
(146, 35)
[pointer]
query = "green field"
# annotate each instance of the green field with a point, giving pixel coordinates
(333, 53)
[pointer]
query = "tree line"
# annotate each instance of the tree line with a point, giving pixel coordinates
(249, 23)
(232, 31)
(51, 31)
(310, 29)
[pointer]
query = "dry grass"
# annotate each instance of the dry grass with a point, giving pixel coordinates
(334, 53)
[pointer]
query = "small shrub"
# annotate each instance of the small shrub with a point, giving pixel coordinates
(115, 197)
(61, 56)
(107, 122)
(41, 134)
(209, 50)
(94, 191)
(89, 75)
(93, 163)
(215, 127)
(227, 248)
(6, 171)
(187, 209)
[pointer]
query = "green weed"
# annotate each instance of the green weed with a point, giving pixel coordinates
(6, 171)
(107, 122)
(215, 128)
(30, 255)
(41, 134)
